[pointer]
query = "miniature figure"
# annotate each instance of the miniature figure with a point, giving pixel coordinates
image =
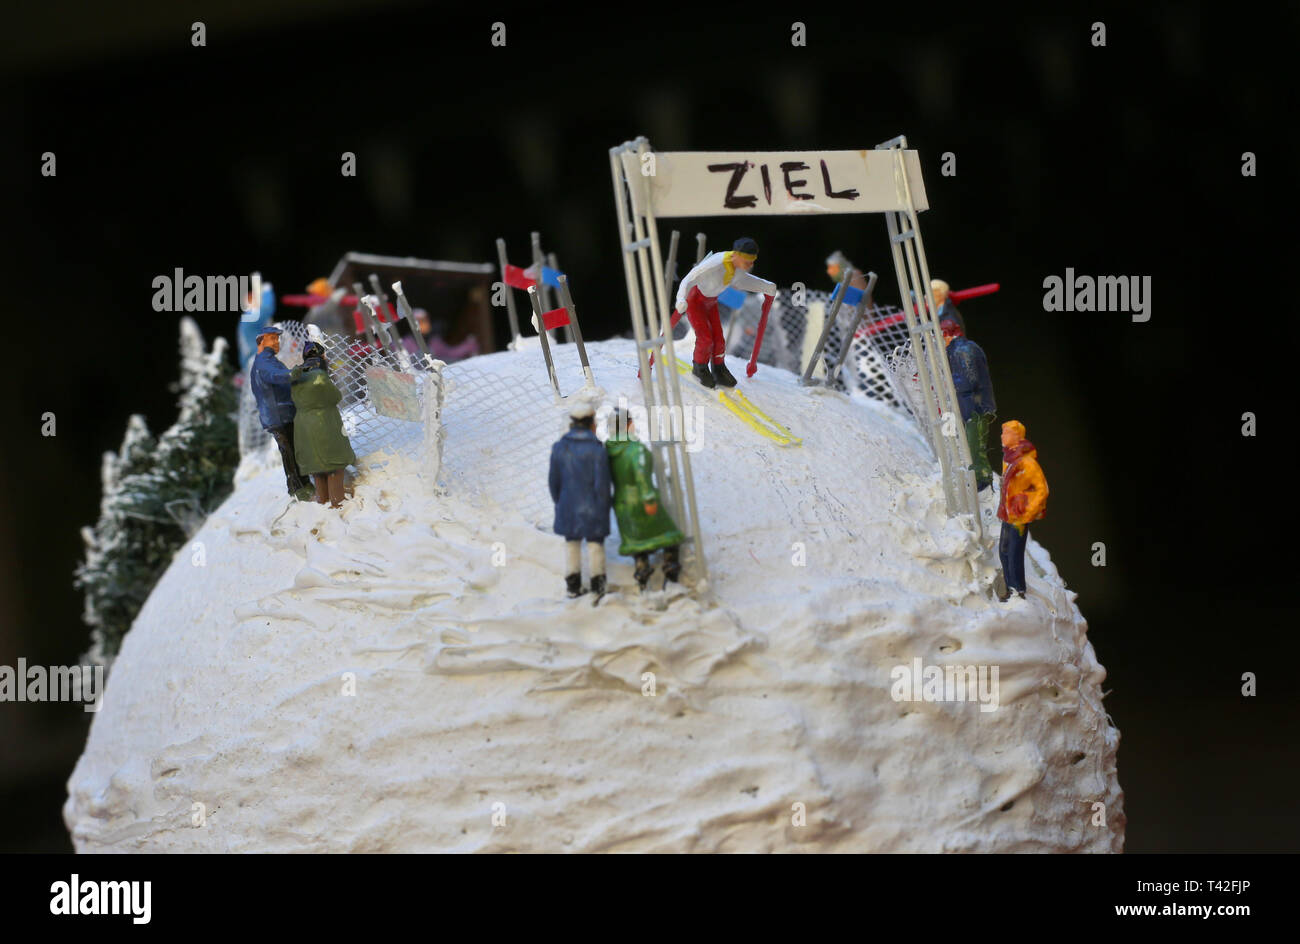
(944, 307)
(256, 315)
(970, 379)
(1023, 499)
(440, 349)
(697, 296)
(423, 325)
(643, 526)
(580, 487)
(322, 446)
(270, 382)
(328, 310)
(837, 264)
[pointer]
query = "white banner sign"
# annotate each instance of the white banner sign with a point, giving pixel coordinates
(773, 183)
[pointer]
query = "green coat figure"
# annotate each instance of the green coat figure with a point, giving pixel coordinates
(319, 442)
(643, 526)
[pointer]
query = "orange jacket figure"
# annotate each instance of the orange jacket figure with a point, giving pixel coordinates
(1024, 488)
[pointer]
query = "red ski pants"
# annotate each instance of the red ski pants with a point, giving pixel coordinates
(707, 325)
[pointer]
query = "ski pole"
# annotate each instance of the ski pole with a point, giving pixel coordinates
(863, 307)
(826, 327)
(539, 322)
(510, 299)
(405, 307)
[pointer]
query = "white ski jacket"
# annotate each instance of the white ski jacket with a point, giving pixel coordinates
(709, 277)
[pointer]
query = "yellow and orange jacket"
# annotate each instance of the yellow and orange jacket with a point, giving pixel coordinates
(1024, 488)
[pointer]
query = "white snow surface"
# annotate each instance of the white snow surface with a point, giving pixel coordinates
(492, 714)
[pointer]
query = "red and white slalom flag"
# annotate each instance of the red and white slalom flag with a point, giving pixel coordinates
(555, 318)
(520, 278)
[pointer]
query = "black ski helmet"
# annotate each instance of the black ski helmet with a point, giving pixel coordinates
(746, 245)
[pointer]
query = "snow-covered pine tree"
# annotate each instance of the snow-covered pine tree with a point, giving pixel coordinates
(194, 356)
(156, 494)
(120, 566)
(196, 459)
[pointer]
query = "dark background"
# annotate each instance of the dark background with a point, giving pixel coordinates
(1122, 160)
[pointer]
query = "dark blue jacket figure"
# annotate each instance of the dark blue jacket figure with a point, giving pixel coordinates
(270, 382)
(948, 312)
(970, 377)
(580, 486)
(974, 389)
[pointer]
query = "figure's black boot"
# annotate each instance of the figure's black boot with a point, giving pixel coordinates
(672, 564)
(598, 585)
(702, 374)
(643, 570)
(723, 376)
(573, 584)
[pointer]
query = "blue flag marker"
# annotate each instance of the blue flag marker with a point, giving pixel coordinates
(852, 296)
(732, 298)
(551, 276)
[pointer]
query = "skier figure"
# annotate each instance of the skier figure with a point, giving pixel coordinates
(270, 382)
(580, 488)
(321, 445)
(970, 378)
(697, 297)
(643, 526)
(1023, 499)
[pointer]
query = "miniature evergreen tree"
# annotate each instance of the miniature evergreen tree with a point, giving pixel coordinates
(196, 459)
(156, 494)
(116, 575)
(194, 356)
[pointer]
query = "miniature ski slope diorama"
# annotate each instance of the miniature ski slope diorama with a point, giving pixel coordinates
(620, 596)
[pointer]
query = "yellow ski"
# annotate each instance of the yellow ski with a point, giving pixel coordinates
(749, 420)
(749, 414)
(752, 408)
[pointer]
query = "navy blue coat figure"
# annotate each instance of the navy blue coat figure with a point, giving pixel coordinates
(944, 309)
(580, 487)
(974, 387)
(948, 312)
(269, 380)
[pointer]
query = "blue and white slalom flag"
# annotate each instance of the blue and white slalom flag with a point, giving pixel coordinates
(852, 296)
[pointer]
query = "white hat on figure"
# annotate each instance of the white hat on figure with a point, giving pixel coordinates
(584, 404)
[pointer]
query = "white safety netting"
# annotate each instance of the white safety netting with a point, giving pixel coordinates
(488, 437)
(498, 435)
(494, 437)
(384, 398)
(793, 330)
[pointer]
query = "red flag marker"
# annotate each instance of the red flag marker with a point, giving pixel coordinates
(518, 278)
(555, 318)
